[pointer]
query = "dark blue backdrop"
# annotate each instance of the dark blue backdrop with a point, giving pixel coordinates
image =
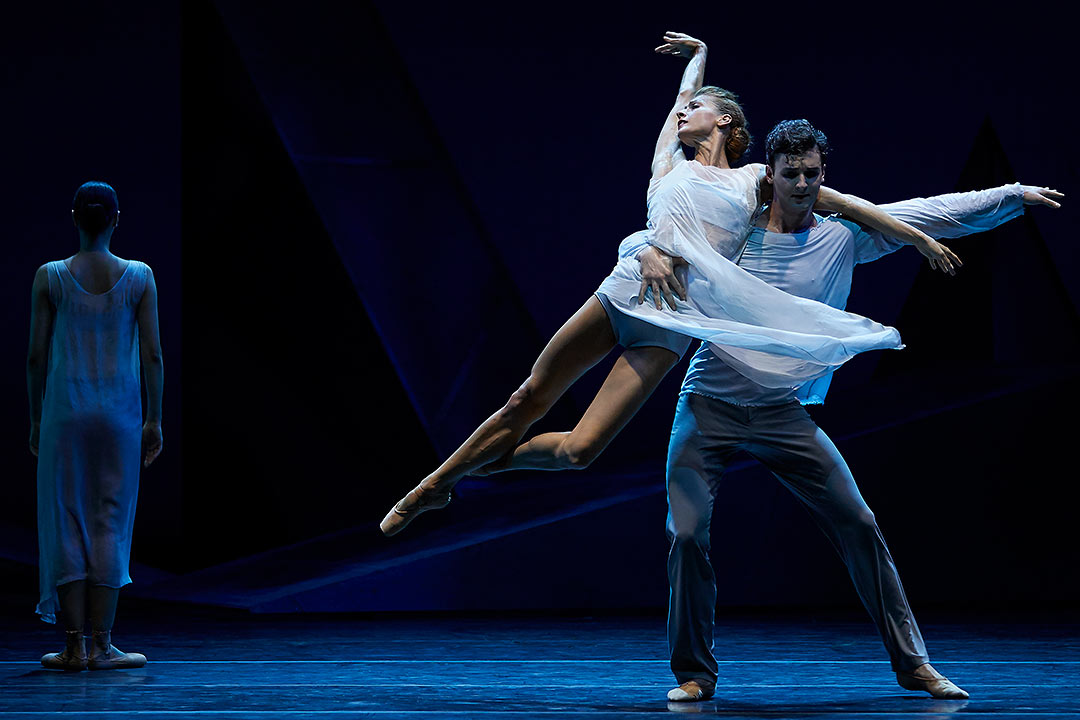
(373, 217)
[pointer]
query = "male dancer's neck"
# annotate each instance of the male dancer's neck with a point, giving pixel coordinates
(782, 219)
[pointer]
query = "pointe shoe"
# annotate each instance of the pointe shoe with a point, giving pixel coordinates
(106, 657)
(691, 691)
(418, 500)
(72, 658)
(931, 681)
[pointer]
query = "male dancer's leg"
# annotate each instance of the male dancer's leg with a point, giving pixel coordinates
(704, 436)
(787, 441)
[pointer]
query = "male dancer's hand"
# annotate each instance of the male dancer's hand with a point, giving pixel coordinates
(1035, 195)
(35, 438)
(658, 273)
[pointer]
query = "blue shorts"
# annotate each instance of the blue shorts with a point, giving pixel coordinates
(631, 332)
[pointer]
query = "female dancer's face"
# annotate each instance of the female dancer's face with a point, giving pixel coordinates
(698, 120)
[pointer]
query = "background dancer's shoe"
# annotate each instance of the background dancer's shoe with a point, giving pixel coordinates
(418, 500)
(691, 691)
(927, 679)
(105, 656)
(72, 658)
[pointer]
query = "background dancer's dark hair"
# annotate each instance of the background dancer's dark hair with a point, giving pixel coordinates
(795, 137)
(94, 207)
(725, 101)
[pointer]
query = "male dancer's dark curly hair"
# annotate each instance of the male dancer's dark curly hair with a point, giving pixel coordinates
(795, 137)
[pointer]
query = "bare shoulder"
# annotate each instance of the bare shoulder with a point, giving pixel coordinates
(41, 278)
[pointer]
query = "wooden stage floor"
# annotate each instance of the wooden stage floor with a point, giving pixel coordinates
(226, 665)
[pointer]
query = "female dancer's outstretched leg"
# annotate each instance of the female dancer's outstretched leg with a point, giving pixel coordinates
(578, 345)
(631, 381)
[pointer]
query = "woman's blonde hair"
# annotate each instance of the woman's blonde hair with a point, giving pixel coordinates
(727, 103)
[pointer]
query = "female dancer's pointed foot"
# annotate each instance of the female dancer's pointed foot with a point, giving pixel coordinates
(419, 499)
(72, 658)
(105, 656)
(926, 678)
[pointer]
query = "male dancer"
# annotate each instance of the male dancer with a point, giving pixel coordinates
(721, 412)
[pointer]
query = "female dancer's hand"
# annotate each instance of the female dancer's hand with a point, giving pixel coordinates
(680, 44)
(658, 273)
(151, 442)
(940, 257)
(35, 438)
(1035, 195)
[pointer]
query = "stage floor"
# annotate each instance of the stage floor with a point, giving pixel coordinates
(225, 665)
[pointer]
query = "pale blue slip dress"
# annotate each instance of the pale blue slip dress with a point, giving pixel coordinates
(91, 432)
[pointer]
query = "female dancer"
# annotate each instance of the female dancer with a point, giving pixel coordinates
(699, 210)
(94, 316)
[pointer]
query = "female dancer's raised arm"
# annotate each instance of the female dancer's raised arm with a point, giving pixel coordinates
(669, 152)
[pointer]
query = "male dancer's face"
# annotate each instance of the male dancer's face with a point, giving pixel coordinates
(796, 180)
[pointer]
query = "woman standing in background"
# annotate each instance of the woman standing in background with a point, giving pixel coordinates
(93, 322)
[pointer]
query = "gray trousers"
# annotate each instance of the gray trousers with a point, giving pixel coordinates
(705, 436)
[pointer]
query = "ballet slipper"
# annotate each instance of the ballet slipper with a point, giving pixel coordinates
(926, 678)
(105, 656)
(691, 691)
(418, 500)
(72, 658)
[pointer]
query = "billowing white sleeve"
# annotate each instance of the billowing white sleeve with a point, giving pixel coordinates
(944, 216)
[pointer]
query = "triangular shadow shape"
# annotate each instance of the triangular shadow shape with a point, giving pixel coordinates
(1006, 307)
(290, 402)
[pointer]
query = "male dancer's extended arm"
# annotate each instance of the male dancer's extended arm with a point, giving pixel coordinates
(956, 214)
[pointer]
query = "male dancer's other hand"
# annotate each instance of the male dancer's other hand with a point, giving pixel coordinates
(151, 442)
(680, 44)
(35, 438)
(658, 273)
(1035, 195)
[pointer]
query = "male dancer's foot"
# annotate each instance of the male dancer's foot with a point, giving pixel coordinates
(926, 678)
(418, 500)
(691, 691)
(72, 658)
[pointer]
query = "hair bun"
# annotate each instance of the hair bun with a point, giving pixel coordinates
(737, 143)
(95, 206)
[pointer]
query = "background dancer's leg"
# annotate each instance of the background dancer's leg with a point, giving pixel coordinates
(631, 381)
(102, 602)
(72, 597)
